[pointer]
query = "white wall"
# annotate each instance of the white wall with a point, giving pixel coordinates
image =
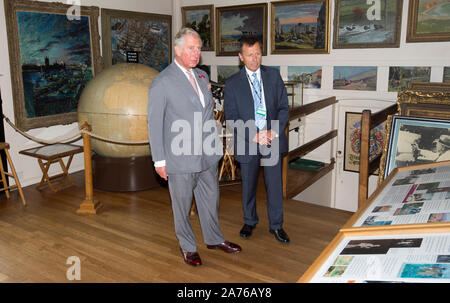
(27, 167)
(339, 189)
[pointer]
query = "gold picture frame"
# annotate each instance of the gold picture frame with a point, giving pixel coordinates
(42, 98)
(282, 42)
(160, 32)
(415, 15)
(255, 15)
(430, 86)
(207, 34)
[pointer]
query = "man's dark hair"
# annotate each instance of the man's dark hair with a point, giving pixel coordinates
(248, 40)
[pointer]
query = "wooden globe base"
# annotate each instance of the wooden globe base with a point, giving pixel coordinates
(124, 174)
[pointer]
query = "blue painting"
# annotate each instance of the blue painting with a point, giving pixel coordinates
(56, 61)
(355, 78)
(310, 76)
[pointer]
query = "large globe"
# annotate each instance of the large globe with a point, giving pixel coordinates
(114, 103)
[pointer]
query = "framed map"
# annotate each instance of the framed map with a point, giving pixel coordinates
(135, 37)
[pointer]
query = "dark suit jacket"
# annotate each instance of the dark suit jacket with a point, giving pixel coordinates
(239, 106)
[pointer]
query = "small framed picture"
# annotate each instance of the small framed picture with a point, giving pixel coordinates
(201, 19)
(414, 140)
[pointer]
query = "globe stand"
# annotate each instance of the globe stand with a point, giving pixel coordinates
(124, 174)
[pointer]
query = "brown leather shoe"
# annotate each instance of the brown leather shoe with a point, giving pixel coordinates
(227, 247)
(191, 258)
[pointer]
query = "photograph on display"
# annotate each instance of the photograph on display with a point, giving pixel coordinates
(310, 76)
(52, 59)
(235, 22)
(446, 74)
(367, 24)
(401, 76)
(428, 21)
(352, 141)
(355, 78)
(201, 19)
(426, 271)
(136, 37)
(417, 141)
(300, 27)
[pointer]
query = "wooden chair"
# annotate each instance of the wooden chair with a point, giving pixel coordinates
(5, 146)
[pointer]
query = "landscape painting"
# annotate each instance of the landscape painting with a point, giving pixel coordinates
(201, 19)
(133, 37)
(235, 22)
(367, 24)
(355, 78)
(428, 21)
(225, 71)
(310, 76)
(446, 74)
(401, 76)
(300, 27)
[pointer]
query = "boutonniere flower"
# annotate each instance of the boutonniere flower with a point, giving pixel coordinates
(202, 76)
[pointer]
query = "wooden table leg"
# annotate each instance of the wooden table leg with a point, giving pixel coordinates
(45, 177)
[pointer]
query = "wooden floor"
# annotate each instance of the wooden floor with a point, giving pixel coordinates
(133, 240)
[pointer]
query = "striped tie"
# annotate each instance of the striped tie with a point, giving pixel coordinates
(260, 121)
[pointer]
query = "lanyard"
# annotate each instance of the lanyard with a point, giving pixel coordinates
(254, 89)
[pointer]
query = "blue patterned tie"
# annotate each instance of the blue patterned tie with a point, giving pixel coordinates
(260, 121)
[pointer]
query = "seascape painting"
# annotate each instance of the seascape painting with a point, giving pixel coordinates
(310, 76)
(355, 78)
(300, 27)
(149, 39)
(362, 24)
(56, 62)
(400, 77)
(235, 22)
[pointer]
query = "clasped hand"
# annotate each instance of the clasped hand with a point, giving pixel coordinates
(264, 137)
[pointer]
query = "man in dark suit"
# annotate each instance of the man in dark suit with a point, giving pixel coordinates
(179, 99)
(256, 104)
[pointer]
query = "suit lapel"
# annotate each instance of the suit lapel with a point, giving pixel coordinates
(184, 84)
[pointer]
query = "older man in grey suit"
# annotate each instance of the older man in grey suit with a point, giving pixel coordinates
(185, 145)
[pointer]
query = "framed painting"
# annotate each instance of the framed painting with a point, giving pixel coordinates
(225, 71)
(201, 19)
(355, 78)
(310, 76)
(416, 140)
(300, 27)
(446, 77)
(401, 76)
(235, 22)
(135, 37)
(53, 54)
(367, 24)
(352, 143)
(428, 21)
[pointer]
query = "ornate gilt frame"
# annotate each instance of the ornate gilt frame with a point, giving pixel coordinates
(11, 8)
(413, 103)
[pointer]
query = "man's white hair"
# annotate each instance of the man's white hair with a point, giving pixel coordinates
(185, 31)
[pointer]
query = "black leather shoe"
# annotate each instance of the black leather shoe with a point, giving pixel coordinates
(246, 231)
(280, 235)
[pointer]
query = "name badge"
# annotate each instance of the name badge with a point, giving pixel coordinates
(261, 112)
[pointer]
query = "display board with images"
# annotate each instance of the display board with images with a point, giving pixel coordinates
(417, 194)
(411, 256)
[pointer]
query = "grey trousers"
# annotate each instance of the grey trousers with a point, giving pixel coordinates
(204, 186)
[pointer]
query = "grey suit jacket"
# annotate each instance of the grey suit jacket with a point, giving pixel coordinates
(181, 130)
